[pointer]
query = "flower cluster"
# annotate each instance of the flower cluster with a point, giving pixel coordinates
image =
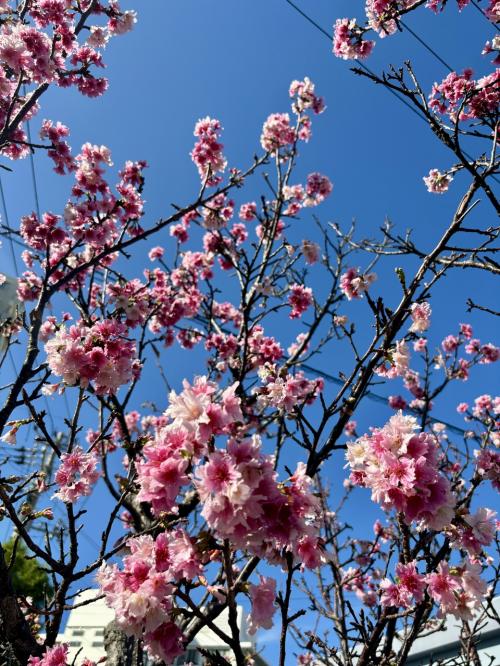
(473, 531)
(318, 187)
(401, 468)
(284, 391)
(56, 656)
(460, 93)
(244, 502)
(198, 410)
(100, 354)
(382, 15)
(437, 182)
(40, 45)
(76, 475)
(207, 152)
(458, 590)
(488, 466)
(408, 590)
(348, 42)
(299, 299)
(277, 132)
(354, 284)
(305, 96)
(142, 593)
(421, 317)
(263, 598)
(162, 473)
(196, 416)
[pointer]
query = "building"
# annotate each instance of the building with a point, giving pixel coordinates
(84, 633)
(444, 645)
(210, 641)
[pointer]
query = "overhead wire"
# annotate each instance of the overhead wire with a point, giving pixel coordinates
(425, 45)
(481, 11)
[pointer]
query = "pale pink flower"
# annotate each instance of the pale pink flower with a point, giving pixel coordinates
(263, 598)
(437, 182)
(420, 314)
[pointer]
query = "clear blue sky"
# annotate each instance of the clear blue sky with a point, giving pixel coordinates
(234, 60)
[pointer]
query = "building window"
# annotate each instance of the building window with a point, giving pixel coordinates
(99, 632)
(97, 644)
(77, 632)
(74, 643)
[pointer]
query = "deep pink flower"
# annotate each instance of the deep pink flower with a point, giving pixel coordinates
(300, 299)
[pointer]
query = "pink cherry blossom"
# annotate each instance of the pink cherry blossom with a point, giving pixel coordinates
(354, 284)
(277, 133)
(401, 468)
(437, 182)
(156, 253)
(348, 42)
(248, 211)
(55, 656)
(76, 475)
(100, 354)
(304, 92)
(420, 315)
(300, 299)
(207, 152)
(318, 187)
(442, 585)
(488, 465)
(263, 604)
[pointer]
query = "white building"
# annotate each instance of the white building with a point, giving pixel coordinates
(84, 630)
(444, 645)
(84, 633)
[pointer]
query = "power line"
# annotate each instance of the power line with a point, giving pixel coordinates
(425, 45)
(481, 11)
(33, 174)
(9, 236)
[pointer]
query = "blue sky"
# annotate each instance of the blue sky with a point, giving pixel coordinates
(234, 60)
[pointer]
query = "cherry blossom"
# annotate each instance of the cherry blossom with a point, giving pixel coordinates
(300, 299)
(348, 42)
(207, 152)
(263, 604)
(76, 475)
(277, 132)
(401, 469)
(354, 284)
(100, 354)
(437, 182)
